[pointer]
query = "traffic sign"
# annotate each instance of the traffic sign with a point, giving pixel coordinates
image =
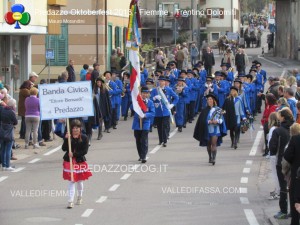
(49, 54)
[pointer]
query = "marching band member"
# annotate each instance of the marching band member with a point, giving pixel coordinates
(193, 95)
(198, 91)
(162, 101)
(225, 67)
(182, 90)
(202, 72)
(234, 114)
(172, 78)
(102, 107)
(223, 87)
(144, 75)
(252, 93)
(79, 143)
(210, 127)
(150, 85)
(262, 72)
(239, 85)
(141, 133)
(174, 71)
(258, 80)
(208, 88)
(113, 93)
(118, 95)
(126, 95)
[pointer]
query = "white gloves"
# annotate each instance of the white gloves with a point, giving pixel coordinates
(142, 116)
(157, 97)
(170, 106)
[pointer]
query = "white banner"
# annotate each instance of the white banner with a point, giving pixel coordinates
(66, 100)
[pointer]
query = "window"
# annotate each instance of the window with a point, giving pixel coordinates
(215, 37)
(59, 43)
(118, 39)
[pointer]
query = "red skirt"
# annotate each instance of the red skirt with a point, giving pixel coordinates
(80, 171)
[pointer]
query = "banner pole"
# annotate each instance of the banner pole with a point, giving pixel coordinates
(70, 150)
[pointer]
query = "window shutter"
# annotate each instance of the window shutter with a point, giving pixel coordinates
(208, 10)
(221, 13)
(234, 14)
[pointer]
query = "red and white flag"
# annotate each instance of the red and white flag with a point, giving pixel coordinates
(132, 43)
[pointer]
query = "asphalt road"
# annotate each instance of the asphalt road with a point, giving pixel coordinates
(177, 186)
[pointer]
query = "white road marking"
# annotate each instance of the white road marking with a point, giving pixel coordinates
(261, 127)
(243, 190)
(18, 170)
(147, 157)
(249, 162)
(173, 133)
(52, 151)
(277, 64)
(114, 187)
(256, 143)
(87, 213)
(155, 149)
(283, 73)
(126, 176)
(250, 217)
(244, 200)
(35, 160)
(246, 170)
(101, 199)
(3, 178)
(244, 180)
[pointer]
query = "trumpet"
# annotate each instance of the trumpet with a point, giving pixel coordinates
(107, 86)
(125, 82)
(230, 69)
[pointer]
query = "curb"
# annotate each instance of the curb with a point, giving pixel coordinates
(273, 221)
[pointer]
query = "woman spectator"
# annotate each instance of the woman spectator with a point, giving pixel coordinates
(279, 140)
(273, 123)
(89, 73)
(270, 107)
(32, 117)
(8, 120)
(281, 104)
(23, 94)
(292, 155)
(292, 83)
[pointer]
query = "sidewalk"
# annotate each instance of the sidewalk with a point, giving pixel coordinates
(22, 153)
(265, 186)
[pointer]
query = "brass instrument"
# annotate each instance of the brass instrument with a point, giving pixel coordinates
(230, 69)
(107, 86)
(125, 82)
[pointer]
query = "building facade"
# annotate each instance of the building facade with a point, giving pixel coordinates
(222, 16)
(161, 23)
(15, 40)
(88, 33)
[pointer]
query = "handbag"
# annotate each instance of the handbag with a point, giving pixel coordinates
(6, 132)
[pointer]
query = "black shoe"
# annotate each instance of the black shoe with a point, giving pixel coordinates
(164, 144)
(180, 129)
(114, 127)
(125, 118)
(235, 146)
(22, 137)
(100, 137)
(184, 126)
(265, 154)
(190, 121)
(150, 130)
(144, 160)
(160, 143)
(231, 145)
(107, 131)
(155, 126)
(140, 160)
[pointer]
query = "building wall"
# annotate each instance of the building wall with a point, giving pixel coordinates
(82, 36)
(230, 22)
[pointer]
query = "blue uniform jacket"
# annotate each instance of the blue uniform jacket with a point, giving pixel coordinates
(119, 91)
(160, 108)
(149, 114)
(113, 93)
